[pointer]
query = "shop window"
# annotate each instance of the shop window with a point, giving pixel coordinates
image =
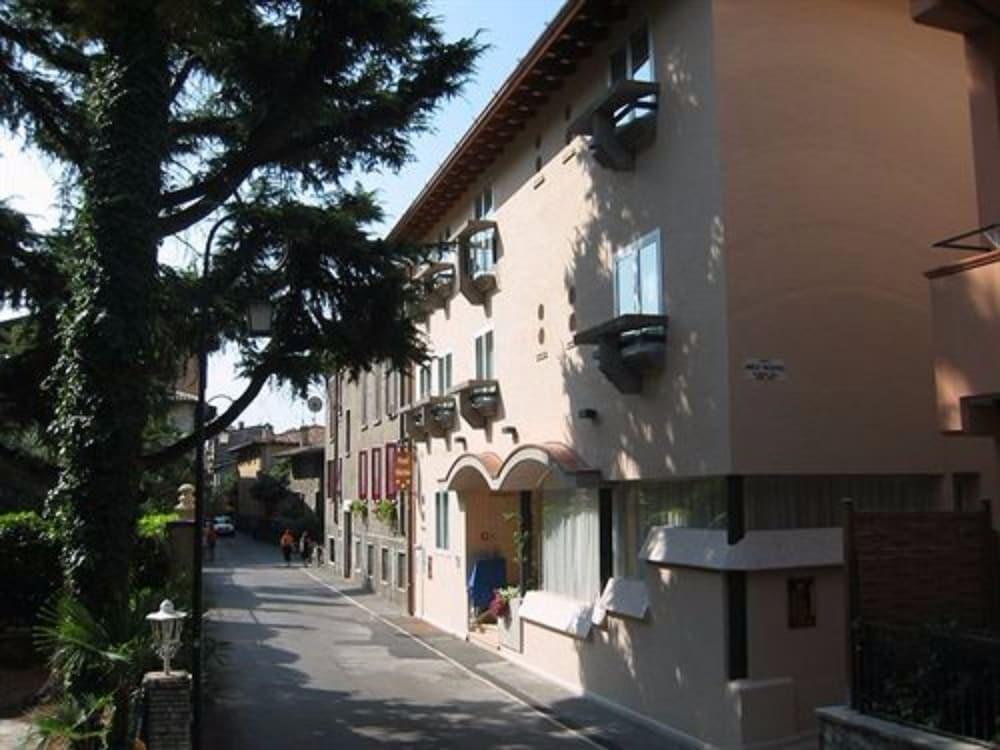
(570, 544)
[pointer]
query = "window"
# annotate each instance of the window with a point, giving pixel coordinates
(633, 59)
(390, 470)
(401, 572)
(339, 488)
(484, 356)
(332, 554)
(391, 392)
(482, 245)
(405, 385)
(331, 479)
(441, 519)
(362, 475)
(370, 561)
(425, 381)
(965, 491)
(639, 277)
(444, 374)
(801, 602)
(347, 432)
(571, 558)
(357, 555)
(482, 205)
(364, 398)
(385, 571)
(376, 473)
(377, 377)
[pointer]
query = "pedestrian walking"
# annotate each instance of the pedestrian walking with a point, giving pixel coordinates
(211, 537)
(307, 548)
(287, 545)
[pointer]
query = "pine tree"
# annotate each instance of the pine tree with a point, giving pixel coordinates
(169, 117)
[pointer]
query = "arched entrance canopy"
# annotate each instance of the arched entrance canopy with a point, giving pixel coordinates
(527, 467)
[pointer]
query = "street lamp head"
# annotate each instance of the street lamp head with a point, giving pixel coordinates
(260, 318)
(167, 624)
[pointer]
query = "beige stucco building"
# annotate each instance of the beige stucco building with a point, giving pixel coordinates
(677, 315)
(370, 514)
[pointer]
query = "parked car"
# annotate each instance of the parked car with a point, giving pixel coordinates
(223, 526)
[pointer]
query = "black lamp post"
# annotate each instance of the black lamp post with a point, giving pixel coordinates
(260, 316)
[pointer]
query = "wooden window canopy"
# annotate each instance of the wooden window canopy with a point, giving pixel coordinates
(620, 123)
(627, 347)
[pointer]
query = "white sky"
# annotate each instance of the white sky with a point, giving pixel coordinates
(27, 182)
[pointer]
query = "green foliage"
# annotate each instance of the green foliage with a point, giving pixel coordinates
(385, 511)
(151, 563)
(29, 559)
(359, 507)
(154, 525)
(271, 487)
(71, 722)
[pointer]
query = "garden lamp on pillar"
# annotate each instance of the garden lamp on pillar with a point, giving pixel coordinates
(167, 624)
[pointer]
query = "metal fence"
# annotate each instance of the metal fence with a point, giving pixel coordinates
(934, 677)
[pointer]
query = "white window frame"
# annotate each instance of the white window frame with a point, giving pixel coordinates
(626, 42)
(481, 336)
(442, 521)
(425, 377)
(635, 248)
(440, 389)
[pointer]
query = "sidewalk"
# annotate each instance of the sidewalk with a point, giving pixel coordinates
(603, 726)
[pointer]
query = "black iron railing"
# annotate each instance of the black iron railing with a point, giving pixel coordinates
(934, 677)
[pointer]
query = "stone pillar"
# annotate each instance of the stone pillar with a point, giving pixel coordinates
(182, 536)
(168, 710)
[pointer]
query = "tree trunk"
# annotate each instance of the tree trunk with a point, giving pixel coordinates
(106, 333)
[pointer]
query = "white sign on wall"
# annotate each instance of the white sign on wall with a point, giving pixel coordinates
(764, 370)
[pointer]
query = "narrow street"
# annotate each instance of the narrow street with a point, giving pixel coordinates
(307, 664)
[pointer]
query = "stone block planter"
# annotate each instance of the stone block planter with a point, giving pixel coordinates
(509, 627)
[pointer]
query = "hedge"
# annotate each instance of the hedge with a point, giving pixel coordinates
(29, 559)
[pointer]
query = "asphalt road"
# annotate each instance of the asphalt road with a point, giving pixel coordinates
(306, 667)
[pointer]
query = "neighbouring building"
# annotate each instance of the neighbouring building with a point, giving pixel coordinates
(255, 456)
(367, 528)
(306, 479)
(676, 314)
(965, 293)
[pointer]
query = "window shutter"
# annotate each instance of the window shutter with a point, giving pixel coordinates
(390, 469)
(331, 479)
(340, 479)
(363, 474)
(376, 473)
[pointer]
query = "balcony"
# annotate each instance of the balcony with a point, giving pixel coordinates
(477, 242)
(628, 348)
(619, 124)
(433, 416)
(436, 281)
(478, 401)
(965, 319)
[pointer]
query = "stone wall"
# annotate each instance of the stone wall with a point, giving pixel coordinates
(844, 729)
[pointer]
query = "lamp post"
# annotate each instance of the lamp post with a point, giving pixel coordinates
(261, 314)
(167, 624)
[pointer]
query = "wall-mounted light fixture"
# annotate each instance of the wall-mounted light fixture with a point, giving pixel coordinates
(459, 440)
(587, 413)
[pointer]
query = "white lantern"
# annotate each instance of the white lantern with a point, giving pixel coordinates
(260, 316)
(167, 624)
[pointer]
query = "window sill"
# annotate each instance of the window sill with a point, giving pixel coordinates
(557, 612)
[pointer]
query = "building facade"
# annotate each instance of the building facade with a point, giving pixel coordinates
(676, 315)
(367, 527)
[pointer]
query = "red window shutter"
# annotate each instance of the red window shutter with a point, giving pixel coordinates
(390, 469)
(376, 473)
(331, 478)
(362, 474)
(340, 479)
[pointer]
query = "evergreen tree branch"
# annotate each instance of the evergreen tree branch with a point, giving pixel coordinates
(63, 57)
(178, 449)
(53, 115)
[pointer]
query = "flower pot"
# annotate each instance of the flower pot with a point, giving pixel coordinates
(509, 627)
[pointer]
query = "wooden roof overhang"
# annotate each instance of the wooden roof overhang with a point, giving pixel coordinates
(571, 36)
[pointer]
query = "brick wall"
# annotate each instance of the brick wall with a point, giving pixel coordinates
(168, 710)
(921, 567)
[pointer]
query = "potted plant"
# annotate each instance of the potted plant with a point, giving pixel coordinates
(504, 607)
(385, 511)
(359, 507)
